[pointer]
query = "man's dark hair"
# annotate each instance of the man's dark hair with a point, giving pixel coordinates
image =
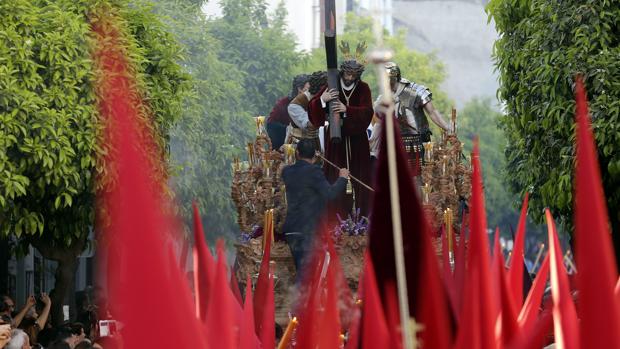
(77, 328)
(352, 67)
(63, 333)
(306, 148)
(317, 80)
(298, 83)
(84, 345)
(59, 344)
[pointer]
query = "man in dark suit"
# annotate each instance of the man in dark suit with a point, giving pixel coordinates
(307, 193)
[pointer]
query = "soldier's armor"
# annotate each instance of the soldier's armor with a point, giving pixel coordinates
(410, 99)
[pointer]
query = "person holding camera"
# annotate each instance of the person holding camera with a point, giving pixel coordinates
(307, 193)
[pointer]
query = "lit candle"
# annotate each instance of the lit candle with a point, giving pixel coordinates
(251, 154)
(448, 222)
(286, 338)
(426, 189)
(260, 122)
(444, 165)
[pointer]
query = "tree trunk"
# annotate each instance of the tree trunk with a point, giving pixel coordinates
(64, 283)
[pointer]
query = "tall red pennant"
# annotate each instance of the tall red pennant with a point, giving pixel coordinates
(262, 289)
(221, 322)
(507, 314)
(329, 323)
(468, 330)
(392, 315)
(597, 274)
(308, 302)
(564, 314)
(459, 268)
(247, 333)
(132, 209)
(375, 332)
(268, 328)
(515, 274)
(353, 339)
(428, 299)
(204, 267)
(529, 311)
(479, 255)
(234, 286)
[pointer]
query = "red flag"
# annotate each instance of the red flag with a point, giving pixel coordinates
(308, 302)
(143, 286)
(234, 286)
(222, 327)
(354, 330)
(392, 315)
(564, 314)
(468, 332)
(479, 256)
(507, 313)
(428, 299)
(247, 333)
(204, 267)
(268, 328)
(515, 274)
(530, 308)
(262, 289)
(329, 323)
(459, 269)
(375, 332)
(597, 274)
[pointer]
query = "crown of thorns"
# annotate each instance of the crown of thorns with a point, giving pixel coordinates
(353, 63)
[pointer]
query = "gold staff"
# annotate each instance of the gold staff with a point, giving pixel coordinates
(338, 168)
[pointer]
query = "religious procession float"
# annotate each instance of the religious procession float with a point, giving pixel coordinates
(259, 195)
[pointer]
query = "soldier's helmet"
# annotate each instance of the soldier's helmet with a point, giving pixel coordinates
(393, 71)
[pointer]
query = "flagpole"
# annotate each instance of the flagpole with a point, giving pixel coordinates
(380, 56)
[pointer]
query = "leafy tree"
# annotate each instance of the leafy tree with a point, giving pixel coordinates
(215, 122)
(542, 46)
(479, 118)
(261, 47)
(49, 118)
(422, 68)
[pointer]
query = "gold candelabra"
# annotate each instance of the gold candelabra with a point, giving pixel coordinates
(446, 178)
(256, 185)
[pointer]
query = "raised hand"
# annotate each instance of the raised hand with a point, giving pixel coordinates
(329, 95)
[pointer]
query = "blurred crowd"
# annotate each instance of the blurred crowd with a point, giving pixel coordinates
(30, 327)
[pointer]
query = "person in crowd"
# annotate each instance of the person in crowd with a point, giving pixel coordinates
(59, 344)
(279, 119)
(5, 333)
(307, 193)
(301, 127)
(65, 333)
(33, 323)
(19, 340)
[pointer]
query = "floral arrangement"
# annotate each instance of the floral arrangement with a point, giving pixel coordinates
(354, 225)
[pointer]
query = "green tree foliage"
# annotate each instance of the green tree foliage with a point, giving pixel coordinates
(542, 46)
(421, 68)
(49, 119)
(261, 47)
(215, 122)
(479, 118)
